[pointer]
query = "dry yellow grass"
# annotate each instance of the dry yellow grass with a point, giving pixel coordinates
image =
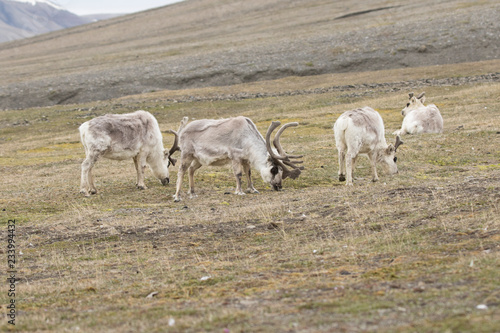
(414, 252)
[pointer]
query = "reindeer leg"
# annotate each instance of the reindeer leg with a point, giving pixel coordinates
(238, 173)
(183, 166)
(374, 167)
(342, 165)
(136, 164)
(195, 165)
(248, 172)
(84, 183)
(140, 165)
(350, 161)
(87, 186)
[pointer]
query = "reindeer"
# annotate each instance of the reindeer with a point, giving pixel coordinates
(419, 118)
(236, 141)
(122, 136)
(361, 131)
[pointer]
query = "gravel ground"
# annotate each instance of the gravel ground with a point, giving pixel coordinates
(351, 90)
(312, 42)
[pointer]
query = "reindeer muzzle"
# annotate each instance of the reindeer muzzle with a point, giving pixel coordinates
(277, 187)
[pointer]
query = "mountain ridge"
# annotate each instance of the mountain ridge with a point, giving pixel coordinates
(21, 19)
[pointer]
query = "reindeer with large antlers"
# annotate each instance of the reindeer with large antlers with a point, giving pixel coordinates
(236, 141)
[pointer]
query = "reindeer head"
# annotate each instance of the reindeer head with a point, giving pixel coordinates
(414, 103)
(277, 169)
(161, 169)
(388, 157)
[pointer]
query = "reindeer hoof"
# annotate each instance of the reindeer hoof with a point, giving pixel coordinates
(141, 187)
(342, 178)
(85, 193)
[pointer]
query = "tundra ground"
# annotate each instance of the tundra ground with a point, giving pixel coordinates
(415, 252)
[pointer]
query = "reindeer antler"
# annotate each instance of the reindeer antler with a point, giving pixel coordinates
(411, 95)
(398, 143)
(283, 159)
(276, 141)
(175, 147)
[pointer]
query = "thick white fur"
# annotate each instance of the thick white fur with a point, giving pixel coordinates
(419, 118)
(123, 136)
(361, 131)
(234, 141)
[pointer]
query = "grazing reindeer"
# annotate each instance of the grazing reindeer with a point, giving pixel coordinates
(236, 141)
(361, 131)
(419, 118)
(122, 136)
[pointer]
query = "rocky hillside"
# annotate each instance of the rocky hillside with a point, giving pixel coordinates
(214, 42)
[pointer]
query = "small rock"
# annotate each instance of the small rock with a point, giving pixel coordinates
(275, 225)
(422, 49)
(420, 287)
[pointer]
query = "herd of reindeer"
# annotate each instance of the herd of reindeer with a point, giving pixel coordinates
(237, 141)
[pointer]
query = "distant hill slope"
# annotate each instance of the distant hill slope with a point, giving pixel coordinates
(216, 42)
(23, 19)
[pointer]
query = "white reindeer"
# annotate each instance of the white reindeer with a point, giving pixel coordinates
(361, 131)
(236, 141)
(122, 136)
(419, 118)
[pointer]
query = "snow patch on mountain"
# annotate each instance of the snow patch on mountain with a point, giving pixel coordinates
(46, 2)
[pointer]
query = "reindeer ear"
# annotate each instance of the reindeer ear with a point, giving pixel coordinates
(390, 149)
(421, 97)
